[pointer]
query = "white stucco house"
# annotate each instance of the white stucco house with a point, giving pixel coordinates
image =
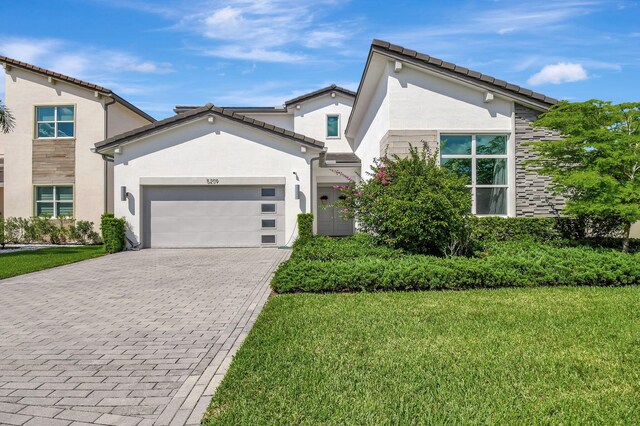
(215, 176)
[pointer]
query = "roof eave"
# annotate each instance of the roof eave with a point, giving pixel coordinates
(537, 104)
(108, 145)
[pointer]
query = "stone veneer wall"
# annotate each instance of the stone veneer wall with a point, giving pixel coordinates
(533, 197)
(398, 141)
(53, 161)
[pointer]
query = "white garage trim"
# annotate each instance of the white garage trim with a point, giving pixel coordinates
(212, 180)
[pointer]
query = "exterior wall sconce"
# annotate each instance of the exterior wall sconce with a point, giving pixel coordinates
(324, 200)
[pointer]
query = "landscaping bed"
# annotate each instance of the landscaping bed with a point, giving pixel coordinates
(321, 264)
(507, 356)
(24, 262)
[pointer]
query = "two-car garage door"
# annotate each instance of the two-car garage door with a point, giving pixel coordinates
(213, 216)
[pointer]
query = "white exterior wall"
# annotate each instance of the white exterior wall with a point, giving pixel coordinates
(375, 124)
(422, 101)
(25, 90)
(120, 120)
(284, 120)
(203, 150)
(311, 119)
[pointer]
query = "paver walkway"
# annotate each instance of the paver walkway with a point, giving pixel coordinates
(136, 338)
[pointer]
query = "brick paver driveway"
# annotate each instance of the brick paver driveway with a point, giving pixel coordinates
(135, 338)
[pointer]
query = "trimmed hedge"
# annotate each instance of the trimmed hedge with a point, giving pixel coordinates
(558, 231)
(113, 233)
(305, 226)
(503, 265)
(491, 228)
(328, 249)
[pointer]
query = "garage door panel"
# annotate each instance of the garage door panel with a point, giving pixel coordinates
(209, 216)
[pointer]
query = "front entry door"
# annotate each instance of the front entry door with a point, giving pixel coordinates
(331, 221)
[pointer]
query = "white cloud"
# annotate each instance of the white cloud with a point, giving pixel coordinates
(27, 50)
(325, 38)
(76, 60)
(261, 55)
(563, 72)
(264, 30)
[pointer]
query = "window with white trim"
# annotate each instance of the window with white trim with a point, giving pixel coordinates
(54, 201)
(333, 125)
(483, 160)
(54, 122)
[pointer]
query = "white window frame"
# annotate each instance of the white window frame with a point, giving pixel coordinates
(55, 121)
(54, 201)
(474, 157)
(326, 126)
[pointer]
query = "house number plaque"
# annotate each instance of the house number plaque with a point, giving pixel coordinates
(213, 181)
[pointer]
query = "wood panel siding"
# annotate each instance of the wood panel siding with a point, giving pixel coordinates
(53, 161)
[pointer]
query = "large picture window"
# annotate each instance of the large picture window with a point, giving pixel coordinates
(54, 201)
(55, 122)
(483, 161)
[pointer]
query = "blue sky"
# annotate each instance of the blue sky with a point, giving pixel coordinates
(158, 54)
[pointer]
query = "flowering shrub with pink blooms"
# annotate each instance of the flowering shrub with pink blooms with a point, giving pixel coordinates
(411, 203)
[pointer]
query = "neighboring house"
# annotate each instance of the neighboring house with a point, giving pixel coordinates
(48, 164)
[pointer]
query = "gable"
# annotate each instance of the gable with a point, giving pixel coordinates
(201, 148)
(419, 99)
(212, 114)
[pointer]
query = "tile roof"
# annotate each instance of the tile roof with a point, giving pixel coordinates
(338, 158)
(76, 82)
(179, 109)
(332, 88)
(205, 110)
(467, 74)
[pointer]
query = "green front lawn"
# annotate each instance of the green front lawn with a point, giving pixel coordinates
(509, 356)
(23, 262)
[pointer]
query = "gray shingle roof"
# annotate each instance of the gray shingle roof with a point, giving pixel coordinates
(332, 88)
(76, 82)
(208, 109)
(469, 75)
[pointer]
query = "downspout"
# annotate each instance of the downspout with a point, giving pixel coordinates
(106, 136)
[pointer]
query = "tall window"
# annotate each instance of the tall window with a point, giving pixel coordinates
(483, 161)
(55, 122)
(333, 126)
(54, 201)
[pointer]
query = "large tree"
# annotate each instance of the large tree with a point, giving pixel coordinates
(6, 119)
(596, 165)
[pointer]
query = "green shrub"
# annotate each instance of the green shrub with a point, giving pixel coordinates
(327, 248)
(492, 228)
(411, 203)
(305, 226)
(13, 230)
(503, 265)
(3, 238)
(82, 232)
(113, 233)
